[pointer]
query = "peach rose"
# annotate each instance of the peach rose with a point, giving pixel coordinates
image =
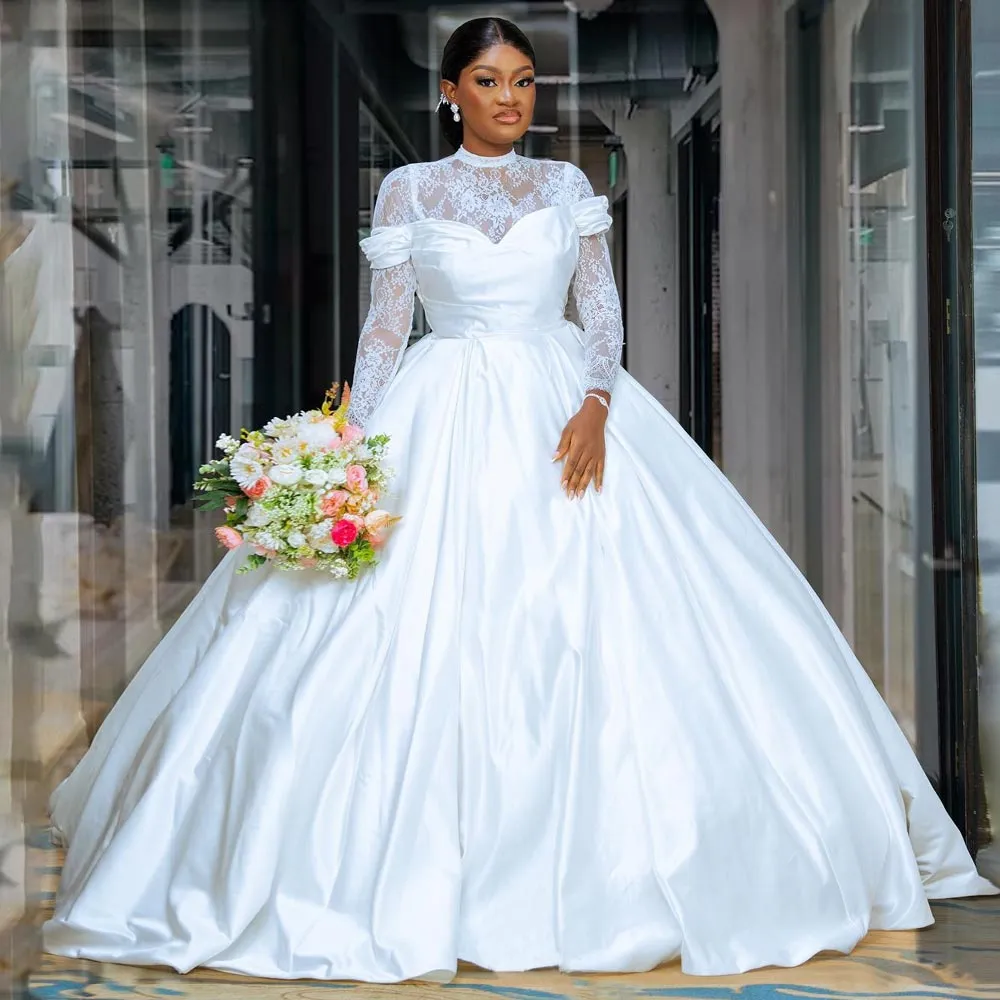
(231, 503)
(356, 520)
(229, 537)
(351, 434)
(261, 551)
(257, 489)
(344, 532)
(378, 520)
(334, 502)
(357, 478)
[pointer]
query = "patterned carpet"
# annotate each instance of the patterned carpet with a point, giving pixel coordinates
(957, 958)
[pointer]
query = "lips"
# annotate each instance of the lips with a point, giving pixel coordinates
(508, 117)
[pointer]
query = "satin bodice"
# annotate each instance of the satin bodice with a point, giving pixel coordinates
(470, 285)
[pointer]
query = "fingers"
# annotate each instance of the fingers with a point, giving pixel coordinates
(579, 478)
(599, 476)
(563, 446)
(569, 468)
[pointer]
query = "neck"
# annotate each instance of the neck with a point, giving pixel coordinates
(480, 147)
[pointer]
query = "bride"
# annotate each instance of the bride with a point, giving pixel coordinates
(585, 713)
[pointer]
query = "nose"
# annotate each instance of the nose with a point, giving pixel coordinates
(507, 94)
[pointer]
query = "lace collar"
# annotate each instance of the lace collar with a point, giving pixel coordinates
(475, 160)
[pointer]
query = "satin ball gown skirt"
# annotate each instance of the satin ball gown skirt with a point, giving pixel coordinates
(595, 734)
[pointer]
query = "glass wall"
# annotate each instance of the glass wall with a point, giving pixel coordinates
(883, 289)
(862, 293)
(126, 347)
(986, 257)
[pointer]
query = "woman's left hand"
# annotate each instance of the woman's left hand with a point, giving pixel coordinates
(582, 448)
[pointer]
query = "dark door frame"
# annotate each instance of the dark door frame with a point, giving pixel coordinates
(698, 185)
(951, 344)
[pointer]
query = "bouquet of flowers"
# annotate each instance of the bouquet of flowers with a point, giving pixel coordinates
(303, 492)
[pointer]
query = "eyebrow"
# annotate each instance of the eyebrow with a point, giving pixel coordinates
(495, 70)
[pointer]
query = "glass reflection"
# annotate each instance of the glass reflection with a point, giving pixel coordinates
(883, 275)
(126, 345)
(986, 256)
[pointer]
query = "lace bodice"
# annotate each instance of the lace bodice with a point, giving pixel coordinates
(490, 194)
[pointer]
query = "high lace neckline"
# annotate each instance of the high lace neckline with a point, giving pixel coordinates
(475, 160)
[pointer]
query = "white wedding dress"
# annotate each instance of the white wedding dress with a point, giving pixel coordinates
(595, 734)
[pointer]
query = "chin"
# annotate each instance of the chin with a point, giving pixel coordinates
(499, 135)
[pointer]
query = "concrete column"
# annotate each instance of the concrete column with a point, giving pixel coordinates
(760, 374)
(651, 330)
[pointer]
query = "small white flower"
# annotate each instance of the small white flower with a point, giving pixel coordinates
(296, 539)
(269, 540)
(226, 442)
(336, 477)
(285, 450)
(278, 427)
(362, 453)
(338, 570)
(285, 475)
(315, 477)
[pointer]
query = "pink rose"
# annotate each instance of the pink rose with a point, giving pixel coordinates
(231, 503)
(344, 532)
(357, 478)
(256, 490)
(261, 551)
(351, 434)
(333, 503)
(356, 520)
(229, 537)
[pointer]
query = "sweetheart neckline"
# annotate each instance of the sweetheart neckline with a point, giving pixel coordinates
(479, 232)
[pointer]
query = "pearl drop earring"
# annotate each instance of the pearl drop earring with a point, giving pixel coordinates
(454, 112)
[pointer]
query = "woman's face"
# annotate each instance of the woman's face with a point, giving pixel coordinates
(496, 97)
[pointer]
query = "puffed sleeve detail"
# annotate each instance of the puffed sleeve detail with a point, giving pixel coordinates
(591, 215)
(387, 246)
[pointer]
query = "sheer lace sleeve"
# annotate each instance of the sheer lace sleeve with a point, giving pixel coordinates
(390, 315)
(594, 287)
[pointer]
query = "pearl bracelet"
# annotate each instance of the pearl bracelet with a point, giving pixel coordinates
(600, 399)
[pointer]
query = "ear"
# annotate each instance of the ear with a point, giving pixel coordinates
(449, 90)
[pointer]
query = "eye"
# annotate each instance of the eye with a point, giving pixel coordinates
(485, 81)
(526, 82)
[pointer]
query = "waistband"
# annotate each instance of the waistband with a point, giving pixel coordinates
(563, 330)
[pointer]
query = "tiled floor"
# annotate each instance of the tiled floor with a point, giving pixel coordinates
(959, 957)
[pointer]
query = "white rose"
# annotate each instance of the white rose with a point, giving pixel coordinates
(286, 475)
(336, 477)
(318, 435)
(316, 477)
(319, 536)
(257, 516)
(296, 539)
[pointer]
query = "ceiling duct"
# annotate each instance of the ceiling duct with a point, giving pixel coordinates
(631, 53)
